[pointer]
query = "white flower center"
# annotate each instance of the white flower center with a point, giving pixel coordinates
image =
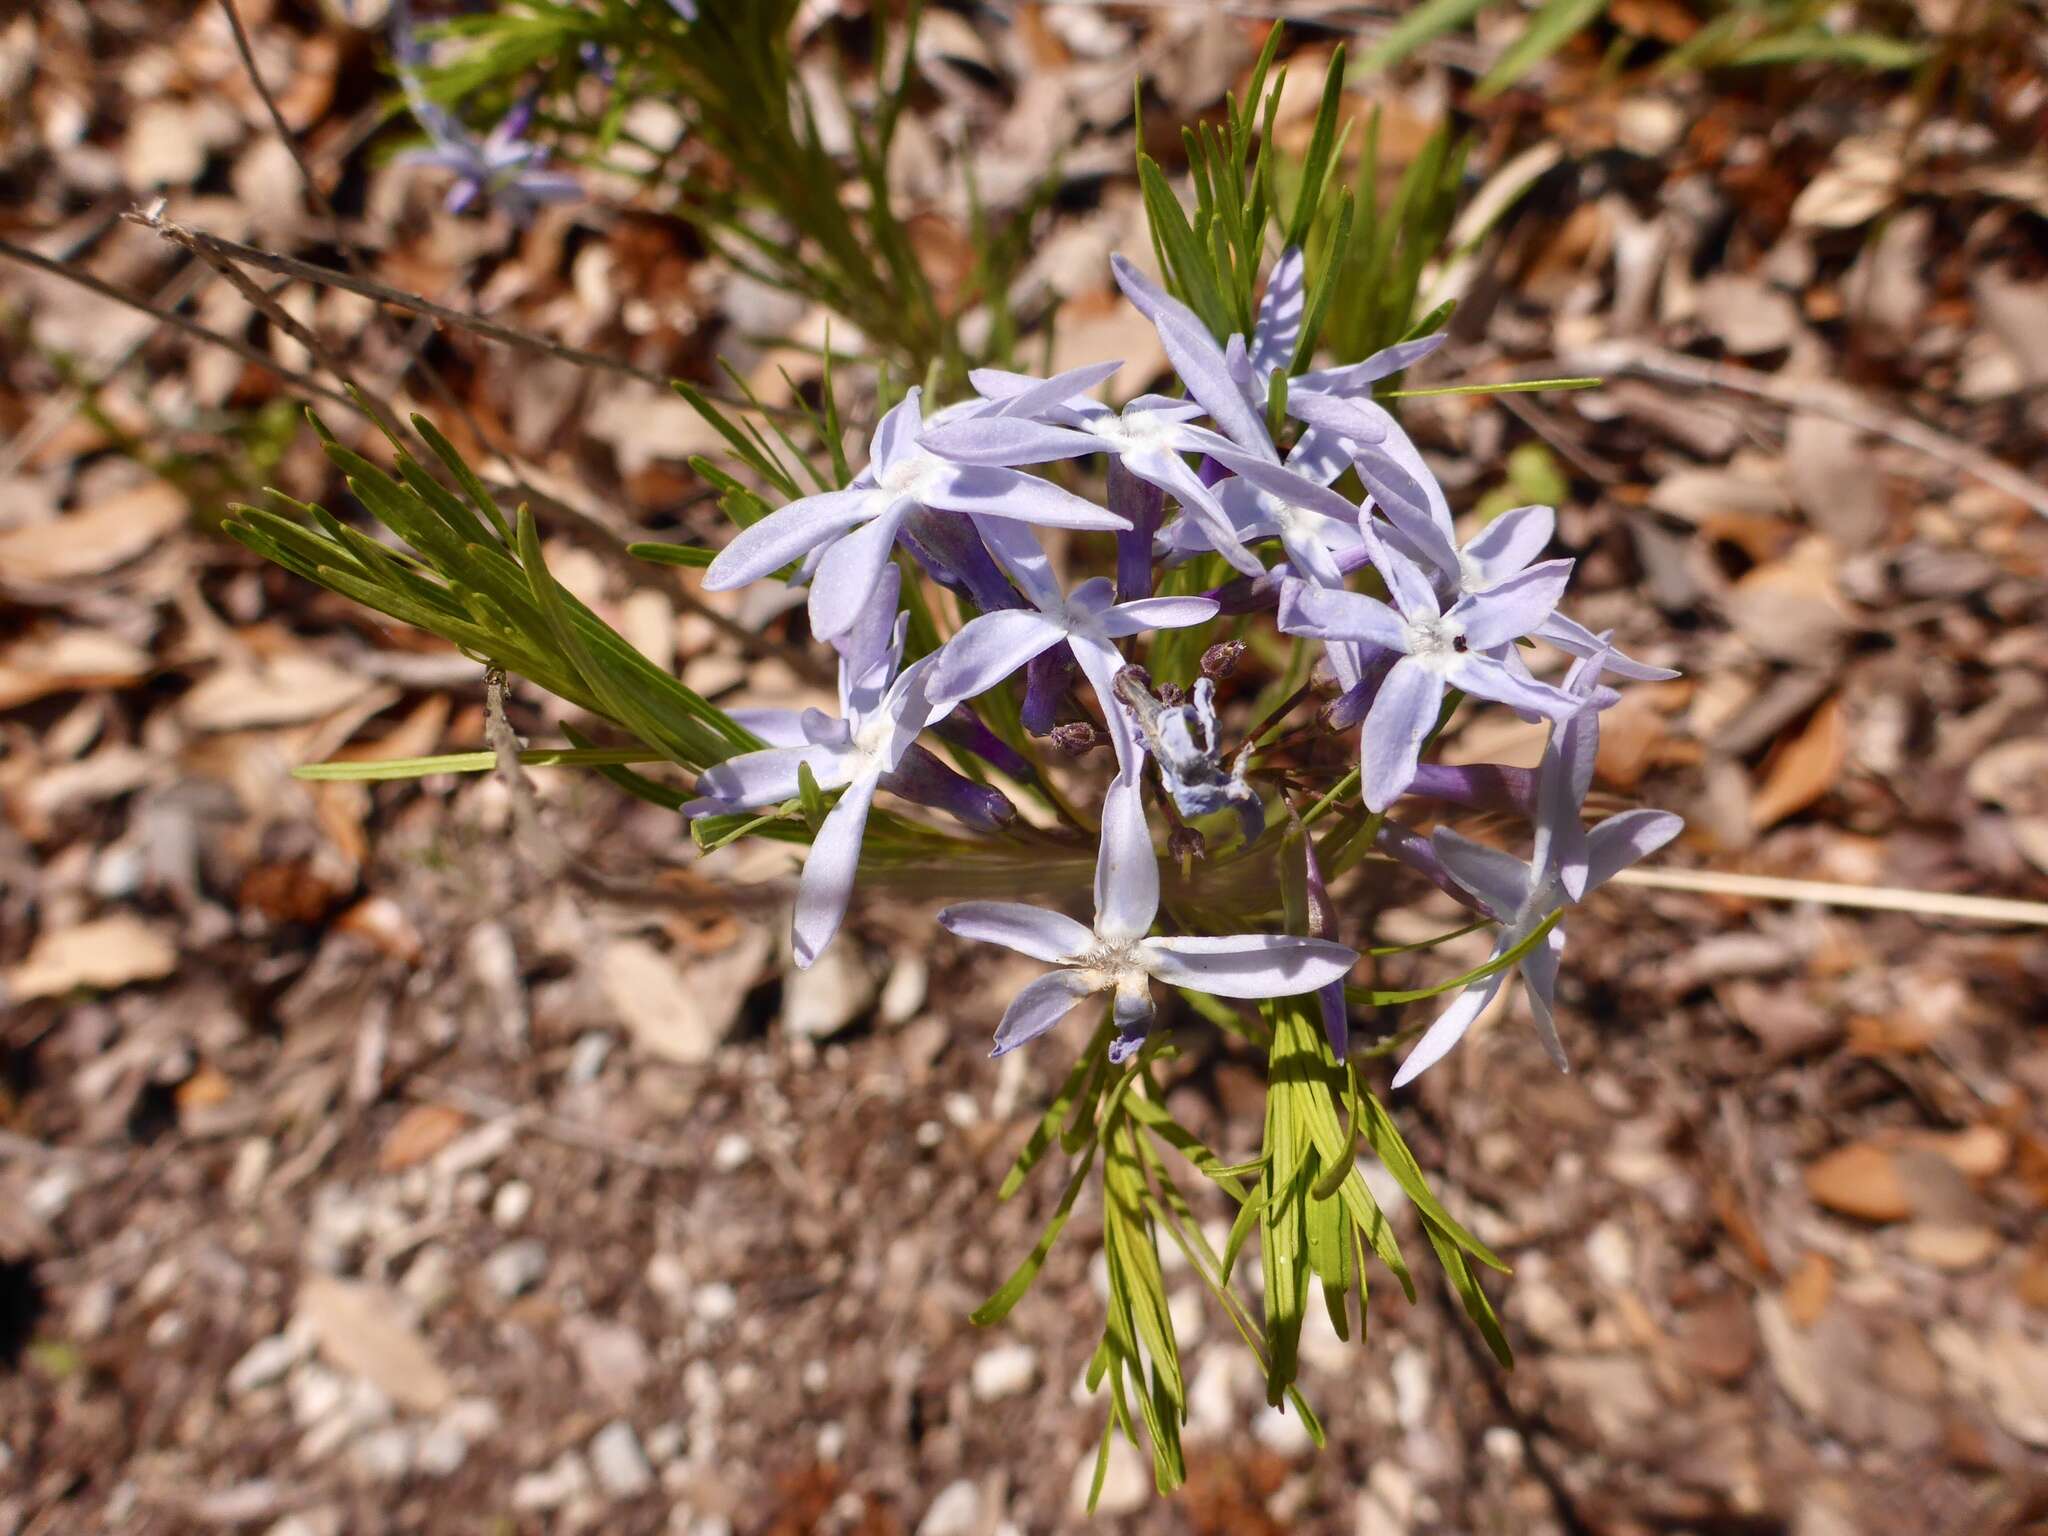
(1297, 520)
(1133, 430)
(871, 736)
(1438, 641)
(1107, 965)
(906, 476)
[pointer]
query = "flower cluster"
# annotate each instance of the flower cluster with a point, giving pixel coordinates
(953, 492)
(503, 169)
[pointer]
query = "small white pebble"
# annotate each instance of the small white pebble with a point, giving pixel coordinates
(1004, 1371)
(516, 1268)
(715, 1302)
(666, 1442)
(587, 1057)
(512, 1203)
(621, 1466)
(1283, 1432)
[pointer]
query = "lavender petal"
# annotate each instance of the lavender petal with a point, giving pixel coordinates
(1049, 936)
(1400, 720)
(1038, 1007)
(1250, 965)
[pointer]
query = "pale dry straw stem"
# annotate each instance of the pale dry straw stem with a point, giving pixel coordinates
(1880, 898)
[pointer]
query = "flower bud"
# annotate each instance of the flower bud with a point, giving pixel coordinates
(1221, 659)
(1076, 738)
(1346, 710)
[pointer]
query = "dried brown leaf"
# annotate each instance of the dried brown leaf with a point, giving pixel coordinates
(113, 951)
(50, 661)
(95, 539)
(418, 1134)
(1804, 767)
(1805, 1295)
(364, 1329)
(1861, 1180)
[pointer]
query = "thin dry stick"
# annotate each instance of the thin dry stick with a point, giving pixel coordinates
(59, 409)
(642, 1154)
(272, 311)
(337, 231)
(492, 330)
(410, 354)
(173, 319)
(549, 856)
(1819, 396)
(222, 256)
(291, 142)
(1976, 909)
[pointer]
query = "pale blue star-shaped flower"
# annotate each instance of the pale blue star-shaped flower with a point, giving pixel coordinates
(504, 168)
(1146, 438)
(1522, 895)
(882, 711)
(1437, 647)
(1115, 954)
(1419, 517)
(1088, 620)
(1566, 861)
(853, 531)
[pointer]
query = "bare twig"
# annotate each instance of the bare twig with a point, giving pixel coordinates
(642, 1154)
(173, 319)
(223, 256)
(549, 857)
(59, 409)
(409, 352)
(319, 195)
(272, 311)
(1819, 396)
(481, 325)
(1975, 909)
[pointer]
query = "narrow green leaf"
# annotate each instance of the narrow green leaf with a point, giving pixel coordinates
(1187, 265)
(1091, 1064)
(694, 556)
(998, 1306)
(472, 487)
(1426, 23)
(1322, 145)
(1477, 1306)
(468, 762)
(1366, 997)
(1325, 286)
(635, 784)
(1386, 1143)
(1505, 387)
(748, 451)
(1555, 23)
